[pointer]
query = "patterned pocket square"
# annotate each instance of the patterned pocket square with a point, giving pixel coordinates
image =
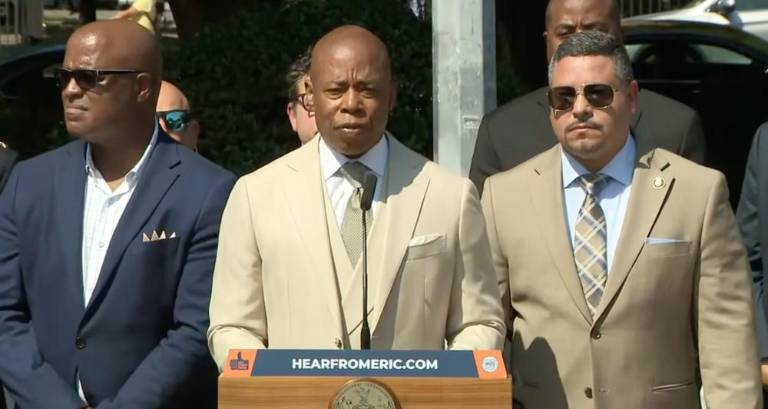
(157, 237)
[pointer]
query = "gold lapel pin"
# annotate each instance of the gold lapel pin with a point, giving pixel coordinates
(658, 182)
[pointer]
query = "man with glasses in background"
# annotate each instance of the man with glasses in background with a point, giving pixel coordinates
(618, 275)
(299, 109)
(107, 244)
(173, 112)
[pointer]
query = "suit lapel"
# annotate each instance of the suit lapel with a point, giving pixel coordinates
(547, 194)
(305, 198)
(159, 173)
(646, 201)
(69, 198)
(407, 185)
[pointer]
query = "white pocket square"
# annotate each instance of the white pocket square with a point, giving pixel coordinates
(663, 240)
(155, 236)
(425, 239)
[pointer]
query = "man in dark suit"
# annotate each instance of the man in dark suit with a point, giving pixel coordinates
(107, 245)
(520, 129)
(752, 215)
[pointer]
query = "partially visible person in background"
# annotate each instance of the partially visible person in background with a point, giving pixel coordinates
(173, 112)
(142, 12)
(299, 104)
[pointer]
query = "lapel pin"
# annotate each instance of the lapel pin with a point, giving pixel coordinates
(658, 182)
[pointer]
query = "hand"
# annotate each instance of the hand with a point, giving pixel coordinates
(764, 373)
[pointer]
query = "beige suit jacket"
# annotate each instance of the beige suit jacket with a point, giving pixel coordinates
(275, 278)
(668, 306)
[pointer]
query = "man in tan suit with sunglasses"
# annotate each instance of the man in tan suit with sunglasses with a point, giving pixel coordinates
(620, 275)
(289, 271)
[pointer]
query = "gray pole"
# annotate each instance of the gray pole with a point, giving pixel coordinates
(464, 80)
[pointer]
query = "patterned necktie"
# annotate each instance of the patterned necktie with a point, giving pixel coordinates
(352, 224)
(589, 250)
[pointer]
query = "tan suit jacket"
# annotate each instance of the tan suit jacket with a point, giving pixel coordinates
(429, 263)
(667, 306)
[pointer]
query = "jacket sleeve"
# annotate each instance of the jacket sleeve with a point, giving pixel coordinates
(176, 359)
(748, 218)
(485, 160)
(32, 382)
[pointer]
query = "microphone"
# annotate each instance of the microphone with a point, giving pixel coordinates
(366, 199)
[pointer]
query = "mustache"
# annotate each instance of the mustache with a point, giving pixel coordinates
(583, 124)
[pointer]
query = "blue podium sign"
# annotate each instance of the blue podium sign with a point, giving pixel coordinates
(357, 363)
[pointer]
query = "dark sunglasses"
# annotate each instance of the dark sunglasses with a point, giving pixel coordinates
(598, 95)
(86, 79)
(176, 120)
(306, 101)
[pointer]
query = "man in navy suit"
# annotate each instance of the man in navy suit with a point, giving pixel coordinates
(107, 245)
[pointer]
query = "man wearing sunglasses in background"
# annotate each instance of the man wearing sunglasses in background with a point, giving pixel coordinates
(619, 276)
(107, 244)
(298, 109)
(173, 112)
(519, 130)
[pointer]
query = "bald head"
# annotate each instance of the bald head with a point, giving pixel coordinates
(351, 89)
(124, 43)
(171, 98)
(119, 100)
(183, 129)
(345, 41)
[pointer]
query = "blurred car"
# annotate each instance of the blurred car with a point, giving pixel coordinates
(718, 70)
(748, 15)
(30, 103)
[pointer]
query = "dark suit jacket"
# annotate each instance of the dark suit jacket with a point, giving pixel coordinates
(7, 160)
(140, 342)
(520, 130)
(752, 216)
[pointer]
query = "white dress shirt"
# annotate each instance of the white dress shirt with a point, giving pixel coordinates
(101, 213)
(338, 187)
(613, 197)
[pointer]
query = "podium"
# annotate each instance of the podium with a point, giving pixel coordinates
(344, 379)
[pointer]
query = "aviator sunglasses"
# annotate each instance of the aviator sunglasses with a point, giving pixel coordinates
(176, 120)
(600, 96)
(86, 79)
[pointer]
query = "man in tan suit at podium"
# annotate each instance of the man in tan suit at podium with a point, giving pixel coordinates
(289, 271)
(621, 275)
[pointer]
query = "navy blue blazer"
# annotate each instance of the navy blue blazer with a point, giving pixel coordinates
(140, 342)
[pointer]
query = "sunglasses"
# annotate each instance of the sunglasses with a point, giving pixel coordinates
(86, 79)
(176, 120)
(600, 96)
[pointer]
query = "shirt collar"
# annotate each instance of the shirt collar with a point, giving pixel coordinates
(132, 176)
(620, 168)
(375, 159)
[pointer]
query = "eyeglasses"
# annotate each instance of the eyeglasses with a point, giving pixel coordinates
(176, 120)
(86, 79)
(600, 96)
(306, 101)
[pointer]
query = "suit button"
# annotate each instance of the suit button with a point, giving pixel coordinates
(596, 334)
(80, 343)
(588, 392)
(338, 343)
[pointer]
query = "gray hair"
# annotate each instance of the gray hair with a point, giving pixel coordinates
(594, 43)
(296, 73)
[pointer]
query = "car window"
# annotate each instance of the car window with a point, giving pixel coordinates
(719, 55)
(681, 52)
(743, 5)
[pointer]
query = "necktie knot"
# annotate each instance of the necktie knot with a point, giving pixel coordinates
(592, 183)
(354, 172)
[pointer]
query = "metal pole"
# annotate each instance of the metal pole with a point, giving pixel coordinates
(464, 80)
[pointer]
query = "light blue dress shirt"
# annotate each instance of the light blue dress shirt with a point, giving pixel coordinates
(613, 197)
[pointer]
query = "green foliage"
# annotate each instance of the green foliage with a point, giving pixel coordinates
(234, 74)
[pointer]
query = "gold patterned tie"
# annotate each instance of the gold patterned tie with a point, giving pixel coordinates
(352, 224)
(589, 250)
